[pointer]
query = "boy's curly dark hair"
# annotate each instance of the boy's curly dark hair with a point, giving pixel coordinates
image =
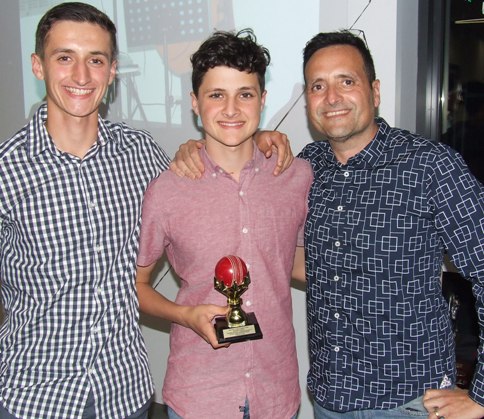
(235, 50)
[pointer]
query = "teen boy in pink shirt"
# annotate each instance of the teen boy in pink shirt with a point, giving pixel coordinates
(240, 208)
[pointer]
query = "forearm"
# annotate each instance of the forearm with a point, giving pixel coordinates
(155, 304)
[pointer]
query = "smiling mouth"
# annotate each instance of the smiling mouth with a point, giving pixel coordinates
(231, 124)
(79, 92)
(336, 113)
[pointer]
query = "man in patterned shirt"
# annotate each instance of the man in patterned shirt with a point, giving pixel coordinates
(384, 207)
(70, 207)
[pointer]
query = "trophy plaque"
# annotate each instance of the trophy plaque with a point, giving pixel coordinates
(232, 279)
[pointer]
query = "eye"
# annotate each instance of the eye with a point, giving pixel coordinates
(97, 61)
(316, 87)
(215, 95)
(63, 58)
(246, 95)
(348, 82)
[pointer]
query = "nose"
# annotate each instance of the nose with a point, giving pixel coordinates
(231, 108)
(333, 95)
(81, 74)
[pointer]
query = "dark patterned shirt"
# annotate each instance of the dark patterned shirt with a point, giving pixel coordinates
(68, 243)
(377, 229)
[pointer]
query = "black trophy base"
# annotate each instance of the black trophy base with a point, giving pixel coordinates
(226, 334)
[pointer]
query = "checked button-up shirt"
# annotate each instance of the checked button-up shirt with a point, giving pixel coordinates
(68, 244)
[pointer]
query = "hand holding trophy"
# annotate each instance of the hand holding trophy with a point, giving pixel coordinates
(232, 279)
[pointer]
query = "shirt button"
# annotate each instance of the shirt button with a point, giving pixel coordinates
(245, 230)
(257, 170)
(90, 371)
(336, 348)
(340, 207)
(337, 243)
(336, 278)
(95, 329)
(241, 193)
(214, 174)
(98, 248)
(336, 315)
(247, 374)
(99, 290)
(248, 303)
(346, 174)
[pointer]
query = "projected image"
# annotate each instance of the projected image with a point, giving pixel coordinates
(160, 37)
(156, 39)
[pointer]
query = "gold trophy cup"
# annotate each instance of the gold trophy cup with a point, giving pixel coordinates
(232, 279)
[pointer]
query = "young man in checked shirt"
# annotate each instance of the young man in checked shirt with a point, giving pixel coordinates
(72, 185)
(384, 207)
(70, 345)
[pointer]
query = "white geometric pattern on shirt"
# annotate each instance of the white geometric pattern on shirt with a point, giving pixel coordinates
(379, 328)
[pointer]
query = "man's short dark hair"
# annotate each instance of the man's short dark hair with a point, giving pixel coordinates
(75, 12)
(344, 37)
(235, 50)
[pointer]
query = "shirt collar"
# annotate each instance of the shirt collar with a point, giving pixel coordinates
(39, 139)
(257, 161)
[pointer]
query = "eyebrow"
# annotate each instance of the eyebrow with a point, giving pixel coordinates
(71, 51)
(239, 89)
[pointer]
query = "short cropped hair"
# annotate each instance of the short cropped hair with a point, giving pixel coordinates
(344, 37)
(235, 50)
(75, 12)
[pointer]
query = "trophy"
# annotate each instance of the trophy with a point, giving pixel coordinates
(232, 279)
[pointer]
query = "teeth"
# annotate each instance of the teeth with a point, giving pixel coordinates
(335, 113)
(79, 92)
(231, 124)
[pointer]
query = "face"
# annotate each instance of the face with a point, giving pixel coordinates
(340, 101)
(76, 67)
(229, 104)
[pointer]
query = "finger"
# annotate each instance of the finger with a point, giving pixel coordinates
(289, 157)
(212, 339)
(176, 167)
(285, 160)
(188, 162)
(194, 160)
(281, 157)
(180, 164)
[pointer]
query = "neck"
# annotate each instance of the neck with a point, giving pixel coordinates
(346, 148)
(73, 135)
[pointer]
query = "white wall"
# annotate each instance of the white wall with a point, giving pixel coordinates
(284, 27)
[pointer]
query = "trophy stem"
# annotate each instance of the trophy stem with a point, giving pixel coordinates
(236, 316)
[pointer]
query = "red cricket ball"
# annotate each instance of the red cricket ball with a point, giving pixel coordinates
(231, 269)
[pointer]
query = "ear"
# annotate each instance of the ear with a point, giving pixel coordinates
(112, 71)
(263, 100)
(195, 104)
(375, 87)
(37, 68)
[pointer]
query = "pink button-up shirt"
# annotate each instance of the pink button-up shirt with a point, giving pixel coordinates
(260, 219)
